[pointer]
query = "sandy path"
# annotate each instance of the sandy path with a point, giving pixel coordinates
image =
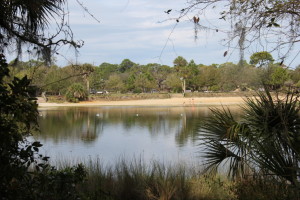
(201, 101)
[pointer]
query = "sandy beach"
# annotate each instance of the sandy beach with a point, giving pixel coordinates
(200, 101)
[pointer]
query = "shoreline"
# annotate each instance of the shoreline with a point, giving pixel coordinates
(196, 101)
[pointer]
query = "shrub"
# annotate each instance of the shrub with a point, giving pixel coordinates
(76, 93)
(228, 87)
(265, 139)
(215, 88)
(24, 172)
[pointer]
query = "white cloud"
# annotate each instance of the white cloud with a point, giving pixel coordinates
(130, 29)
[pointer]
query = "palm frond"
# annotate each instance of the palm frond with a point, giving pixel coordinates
(34, 14)
(221, 135)
(266, 138)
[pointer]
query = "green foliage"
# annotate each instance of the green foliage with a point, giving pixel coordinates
(144, 82)
(279, 76)
(186, 71)
(249, 77)
(274, 76)
(159, 74)
(126, 65)
(208, 76)
(76, 93)
(264, 140)
(264, 188)
(130, 82)
(143, 78)
(180, 62)
(228, 87)
(53, 85)
(230, 78)
(174, 82)
(262, 58)
(102, 74)
(115, 83)
(137, 180)
(295, 74)
(18, 114)
(57, 184)
(24, 172)
(215, 88)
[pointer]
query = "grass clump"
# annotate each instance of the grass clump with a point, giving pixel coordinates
(265, 187)
(136, 180)
(155, 181)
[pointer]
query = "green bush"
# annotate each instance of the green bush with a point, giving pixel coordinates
(264, 188)
(24, 172)
(137, 90)
(215, 88)
(228, 87)
(76, 93)
(271, 121)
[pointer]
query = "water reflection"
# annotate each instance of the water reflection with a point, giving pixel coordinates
(69, 124)
(111, 131)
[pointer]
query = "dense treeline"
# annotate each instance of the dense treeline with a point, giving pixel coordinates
(132, 77)
(26, 174)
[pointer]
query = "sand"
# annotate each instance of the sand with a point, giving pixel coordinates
(200, 101)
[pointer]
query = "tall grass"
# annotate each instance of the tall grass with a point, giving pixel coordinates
(136, 180)
(130, 180)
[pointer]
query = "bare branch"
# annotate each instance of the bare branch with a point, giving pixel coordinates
(86, 10)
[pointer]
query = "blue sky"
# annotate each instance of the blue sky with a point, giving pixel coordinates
(139, 30)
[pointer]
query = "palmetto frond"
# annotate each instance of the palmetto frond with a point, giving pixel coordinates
(28, 14)
(26, 22)
(224, 142)
(265, 138)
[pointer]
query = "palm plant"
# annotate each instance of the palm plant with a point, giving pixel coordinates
(265, 139)
(76, 93)
(25, 22)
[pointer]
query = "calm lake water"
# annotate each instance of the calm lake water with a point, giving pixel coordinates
(166, 134)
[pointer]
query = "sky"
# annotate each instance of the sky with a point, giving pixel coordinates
(141, 31)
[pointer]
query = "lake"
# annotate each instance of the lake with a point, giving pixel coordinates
(165, 134)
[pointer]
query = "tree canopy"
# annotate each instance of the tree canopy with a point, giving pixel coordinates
(261, 58)
(138, 78)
